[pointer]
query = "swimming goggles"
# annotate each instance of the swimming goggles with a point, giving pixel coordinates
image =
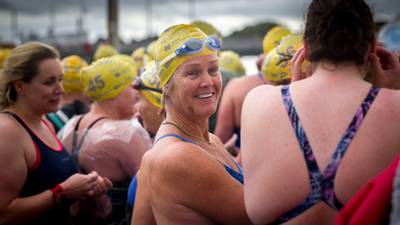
(193, 46)
(139, 85)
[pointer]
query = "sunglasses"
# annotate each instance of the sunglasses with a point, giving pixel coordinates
(139, 85)
(193, 46)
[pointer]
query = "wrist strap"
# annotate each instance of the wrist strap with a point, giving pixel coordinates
(59, 195)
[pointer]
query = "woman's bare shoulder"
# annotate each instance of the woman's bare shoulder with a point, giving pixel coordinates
(180, 161)
(10, 130)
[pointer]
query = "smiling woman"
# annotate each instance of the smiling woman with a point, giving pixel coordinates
(188, 177)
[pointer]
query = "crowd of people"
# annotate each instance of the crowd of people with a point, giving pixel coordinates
(160, 136)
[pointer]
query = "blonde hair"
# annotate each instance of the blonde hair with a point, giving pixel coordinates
(22, 64)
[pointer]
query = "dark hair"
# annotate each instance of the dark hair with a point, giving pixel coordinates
(339, 30)
(22, 64)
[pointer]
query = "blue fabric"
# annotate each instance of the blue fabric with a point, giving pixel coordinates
(132, 191)
(233, 173)
(55, 166)
(175, 136)
(322, 184)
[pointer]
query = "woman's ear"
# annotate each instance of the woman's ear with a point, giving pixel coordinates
(19, 87)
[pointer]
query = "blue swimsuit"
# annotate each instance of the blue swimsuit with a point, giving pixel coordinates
(322, 184)
(133, 185)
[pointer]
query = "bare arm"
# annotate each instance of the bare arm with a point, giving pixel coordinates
(255, 117)
(225, 117)
(17, 210)
(14, 210)
(142, 213)
(200, 183)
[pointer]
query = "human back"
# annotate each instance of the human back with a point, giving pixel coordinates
(326, 103)
(106, 139)
(231, 104)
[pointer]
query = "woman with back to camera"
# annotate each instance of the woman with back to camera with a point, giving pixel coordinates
(308, 147)
(105, 139)
(188, 177)
(38, 178)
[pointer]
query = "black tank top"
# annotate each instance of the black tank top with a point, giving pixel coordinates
(52, 166)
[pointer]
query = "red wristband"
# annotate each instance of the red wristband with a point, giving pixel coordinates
(58, 194)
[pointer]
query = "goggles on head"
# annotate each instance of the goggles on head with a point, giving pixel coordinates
(193, 46)
(139, 85)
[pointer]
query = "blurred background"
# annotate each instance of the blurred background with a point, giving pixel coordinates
(78, 26)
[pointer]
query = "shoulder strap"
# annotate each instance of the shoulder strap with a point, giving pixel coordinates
(75, 138)
(321, 184)
(314, 173)
(77, 146)
(36, 139)
(313, 170)
(175, 136)
(20, 121)
(330, 171)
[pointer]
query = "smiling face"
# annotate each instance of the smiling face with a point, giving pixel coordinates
(44, 91)
(196, 87)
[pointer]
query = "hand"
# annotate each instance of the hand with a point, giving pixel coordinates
(385, 67)
(230, 145)
(296, 67)
(79, 185)
(102, 186)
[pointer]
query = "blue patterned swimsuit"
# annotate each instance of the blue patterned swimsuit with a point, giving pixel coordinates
(322, 184)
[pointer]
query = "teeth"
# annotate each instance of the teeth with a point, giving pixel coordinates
(207, 95)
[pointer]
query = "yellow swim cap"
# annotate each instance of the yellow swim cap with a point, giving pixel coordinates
(4, 52)
(230, 61)
(170, 40)
(273, 37)
(106, 78)
(137, 56)
(276, 66)
(207, 28)
(71, 68)
(149, 52)
(127, 59)
(150, 79)
(104, 50)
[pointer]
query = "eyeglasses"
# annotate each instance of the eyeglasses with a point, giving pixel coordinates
(139, 85)
(193, 46)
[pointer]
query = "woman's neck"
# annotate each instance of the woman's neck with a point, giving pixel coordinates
(104, 110)
(196, 128)
(338, 70)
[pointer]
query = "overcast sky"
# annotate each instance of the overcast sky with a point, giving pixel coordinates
(227, 15)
